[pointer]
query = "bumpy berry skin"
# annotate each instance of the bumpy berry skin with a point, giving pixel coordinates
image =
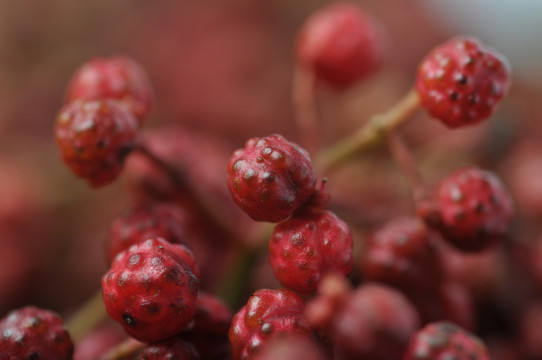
(33, 333)
(160, 219)
(117, 77)
(173, 349)
(267, 315)
(94, 138)
(270, 178)
(375, 322)
(401, 254)
(475, 208)
(151, 291)
(445, 340)
(341, 44)
(462, 81)
(307, 246)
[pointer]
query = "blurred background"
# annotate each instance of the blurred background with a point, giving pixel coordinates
(222, 67)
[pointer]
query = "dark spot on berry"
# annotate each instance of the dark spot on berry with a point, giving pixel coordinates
(461, 79)
(454, 96)
(173, 276)
(101, 144)
(479, 207)
(259, 159)
(460, 215)
(152, 308)
(34, 356)
(268, 177)
(129, 320)
(267, 329)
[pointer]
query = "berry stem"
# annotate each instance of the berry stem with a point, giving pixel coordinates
(371, 133)
(201, 201)
(303, 96)
(87, 317)
(125, 349)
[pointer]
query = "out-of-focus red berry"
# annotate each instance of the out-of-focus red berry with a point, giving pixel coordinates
(117, 77)
(172, 349)
(270, 178)
(307, 246)
(462, 81)
(291, 348)
(341, 44)
(94, 138)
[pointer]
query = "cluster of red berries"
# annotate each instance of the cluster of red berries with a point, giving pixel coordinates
(154, 287)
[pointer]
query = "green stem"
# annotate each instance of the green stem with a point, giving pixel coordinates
(87, 317)
(303, 96)
(125, 349)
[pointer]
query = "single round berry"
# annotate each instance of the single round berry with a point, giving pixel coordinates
(375, 322)
(268, 314)
(445, 340)
(117, 77)
(34, 334)
(401, 254)
(151, 290)
(475, 208)
(94, 138)
(307, 246)
(462, 81)
(173, 349)
(341, 44)
(160, 219)
(270, 178)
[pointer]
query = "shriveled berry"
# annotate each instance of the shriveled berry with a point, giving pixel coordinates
(117, 77)
(270, 178)
(268, 314)
(475, 208)
(375, 322)
(401, 254)
(151, 291)
(160, 219)
(341, 44)
(307, 246)
(443, 341)
(462, 81)
(94, 138)
(35, 334)
(173, 349)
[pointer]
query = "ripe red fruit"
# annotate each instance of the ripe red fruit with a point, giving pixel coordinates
(307, 246)
(173, 349)
(402, 255)
(151, 290)
(160, 219)
(445, 340)
(94, 138)
(268, 314)
(270, 178)
(475, 208)
(117, 77)
(375, 322)
(461, 81)
(341, 44)
(33, 333)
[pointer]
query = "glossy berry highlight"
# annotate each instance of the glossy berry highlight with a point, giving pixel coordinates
(94, 138)
(445, 340)
(341, 44)
(307, 246)
(119, 78)
(475, 208)
(267, 315)
(462, 81)
(270, 178)
(151, 290)
(33, 333)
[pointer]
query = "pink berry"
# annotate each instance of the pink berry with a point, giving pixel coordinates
(270, 178)
(307, 246)
(172, 349)
(462, 81)
(268, 314)
(375, 322)
(151, 290)
(291, 348)
(445, 340)
(117, 77)
(34, 334)
(475, 208)
(341, 44)
(160, 219)
(94, 138)
(402, 255)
